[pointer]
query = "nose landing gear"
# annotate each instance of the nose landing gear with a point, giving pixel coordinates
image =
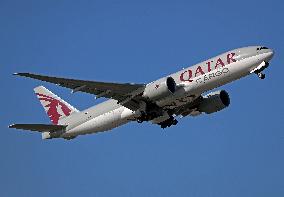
(258, 70)
(261, 75)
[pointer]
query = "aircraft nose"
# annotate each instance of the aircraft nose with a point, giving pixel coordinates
(270, 54)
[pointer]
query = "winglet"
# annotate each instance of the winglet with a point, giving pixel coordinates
(22, 74)
(11, 126)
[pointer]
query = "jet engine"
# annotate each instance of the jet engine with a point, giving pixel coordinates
(215, 101)
(160, 89)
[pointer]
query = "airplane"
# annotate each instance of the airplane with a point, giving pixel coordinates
(160, 102)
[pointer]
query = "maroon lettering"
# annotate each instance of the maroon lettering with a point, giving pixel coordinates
(199, 70)
(188, 76)
(230, 58)
(209, 66)
(219, 62)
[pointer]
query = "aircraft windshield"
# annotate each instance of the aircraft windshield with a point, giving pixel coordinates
(261, 48)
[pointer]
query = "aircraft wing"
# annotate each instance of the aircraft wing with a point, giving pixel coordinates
(124, 93)
(39, 127)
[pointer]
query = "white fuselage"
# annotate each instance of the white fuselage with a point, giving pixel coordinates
(193, 80)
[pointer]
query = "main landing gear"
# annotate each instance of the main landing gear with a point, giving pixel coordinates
(169, 122)
(146, 117)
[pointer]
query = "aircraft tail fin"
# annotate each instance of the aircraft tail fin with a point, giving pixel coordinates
(55, 107)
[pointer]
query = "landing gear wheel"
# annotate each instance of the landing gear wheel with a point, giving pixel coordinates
(142, 118)
(167, 123)
(175, 122)
(261, 75)
(163, 126)
(139, 120)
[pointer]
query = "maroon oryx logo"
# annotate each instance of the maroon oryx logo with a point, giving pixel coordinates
(53, 106)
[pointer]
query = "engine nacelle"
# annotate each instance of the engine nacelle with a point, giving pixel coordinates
(160, 89)
(214, 102)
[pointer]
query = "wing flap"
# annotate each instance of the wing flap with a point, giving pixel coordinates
(39, 127)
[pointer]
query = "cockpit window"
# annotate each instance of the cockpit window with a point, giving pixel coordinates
(261, 48)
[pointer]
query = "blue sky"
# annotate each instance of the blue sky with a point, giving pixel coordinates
(236, 152)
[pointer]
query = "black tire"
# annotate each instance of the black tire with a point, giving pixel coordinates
(175, 122)
(262, 76)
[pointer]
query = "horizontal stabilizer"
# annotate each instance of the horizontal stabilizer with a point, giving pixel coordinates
(39, 127)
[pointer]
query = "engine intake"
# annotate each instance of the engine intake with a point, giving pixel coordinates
(160, 89)
(215, 101)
